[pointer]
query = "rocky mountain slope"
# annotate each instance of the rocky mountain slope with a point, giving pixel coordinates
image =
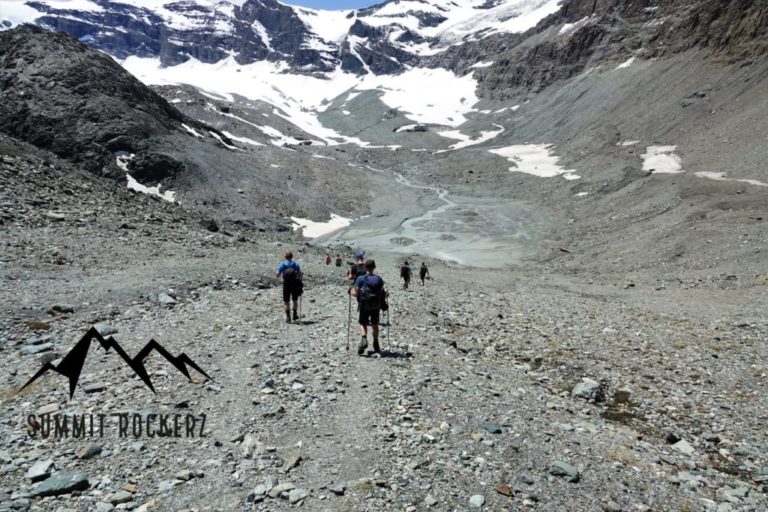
(60, 95)
(497, 390)
(584, 34)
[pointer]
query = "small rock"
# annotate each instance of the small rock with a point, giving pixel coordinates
(684, 447)
(55, 216)
(430, 501)
(291, 459)
(120, 497)
(89, 452)
(492, 428)
(526, 479)
(63, 308)
(165, 299)
(48, 357)
(61, 483)
(105, 329)
(39, 340)
(36, 349)
(183, 475)
(477, 501)
(588, 389)
(40, 470)
(104, 507)
(153, 504)
(296, 495)
(279, 489)
(95, 387)
(565, 470)
(338, 489)
(47, 409)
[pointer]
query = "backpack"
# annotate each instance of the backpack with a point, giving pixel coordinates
(291, 273)
(371, 294)
(405, 271)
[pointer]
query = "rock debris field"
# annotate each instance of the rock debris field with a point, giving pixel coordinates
(497, 389)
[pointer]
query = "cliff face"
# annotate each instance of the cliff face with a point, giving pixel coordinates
(585, 33)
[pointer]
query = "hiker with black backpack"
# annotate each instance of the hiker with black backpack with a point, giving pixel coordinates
(405, 274)
(423, 272)
(293, 286)
(371, 300)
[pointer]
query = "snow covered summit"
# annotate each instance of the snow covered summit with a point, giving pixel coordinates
(387, 38)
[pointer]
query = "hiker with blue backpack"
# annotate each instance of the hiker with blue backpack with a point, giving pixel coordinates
(371, 300)
(293, 287)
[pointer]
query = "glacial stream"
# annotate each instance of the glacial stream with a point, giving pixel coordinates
(478, 232)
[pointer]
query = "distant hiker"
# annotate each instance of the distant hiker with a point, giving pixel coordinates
(293, 286)
(357, 268)
(405, 274)
(327, 258)
(423, 272)
(339, 261)
(371, 299)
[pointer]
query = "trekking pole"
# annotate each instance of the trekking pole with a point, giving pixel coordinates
(349, 318)
(388, 345)
(301, 306)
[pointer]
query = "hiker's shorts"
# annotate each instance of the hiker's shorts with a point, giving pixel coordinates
(290, 292)
(369, 317)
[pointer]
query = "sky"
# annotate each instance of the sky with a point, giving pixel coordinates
(333, 4)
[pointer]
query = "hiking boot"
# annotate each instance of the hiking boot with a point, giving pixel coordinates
(376, 348)
(287, 317)
(295, 316)
(362, 346)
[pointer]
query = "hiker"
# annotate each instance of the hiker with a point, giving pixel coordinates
(357, 268)
(339, 261)
(327, 258)
(371, 299)
(293, 286)
(423, 272)
(405, 274)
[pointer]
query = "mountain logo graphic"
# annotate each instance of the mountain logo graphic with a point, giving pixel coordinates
(72, 364)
